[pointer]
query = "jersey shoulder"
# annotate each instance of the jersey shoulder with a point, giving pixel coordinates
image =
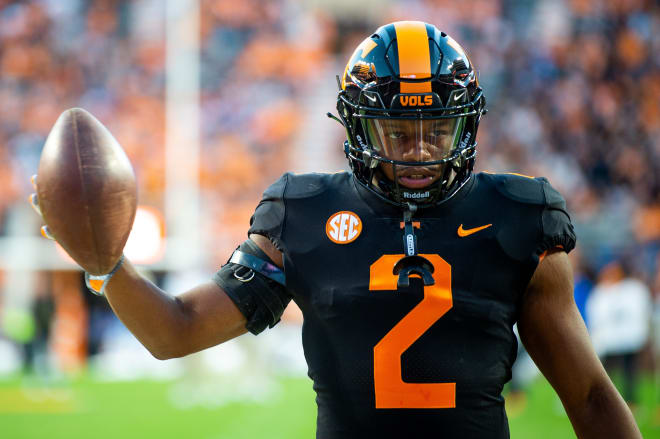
(290, 188)
(525, 189)
(537, 214)
(298, 186)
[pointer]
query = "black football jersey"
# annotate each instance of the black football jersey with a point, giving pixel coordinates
(417, 361)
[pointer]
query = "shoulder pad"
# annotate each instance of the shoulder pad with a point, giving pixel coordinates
(269, 217)
(528, 190)
(309, 185)
(276, 190)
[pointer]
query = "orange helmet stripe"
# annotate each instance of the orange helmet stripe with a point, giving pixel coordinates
(414, 56)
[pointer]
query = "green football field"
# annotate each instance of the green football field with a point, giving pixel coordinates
(147, 409)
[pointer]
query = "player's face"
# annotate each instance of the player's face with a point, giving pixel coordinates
(413, 141)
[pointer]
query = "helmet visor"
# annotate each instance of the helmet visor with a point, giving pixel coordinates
(419, 140)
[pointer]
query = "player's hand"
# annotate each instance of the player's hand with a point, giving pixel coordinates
(96, 284)
(34, 202)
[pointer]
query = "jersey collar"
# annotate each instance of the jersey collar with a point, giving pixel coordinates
(382, 208)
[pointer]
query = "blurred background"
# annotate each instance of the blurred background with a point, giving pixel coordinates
(213, 100)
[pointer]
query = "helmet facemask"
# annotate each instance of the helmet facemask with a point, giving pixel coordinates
(417, 154)
(421, 158)
(411, 115)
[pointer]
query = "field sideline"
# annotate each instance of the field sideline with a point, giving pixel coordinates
(148, 409)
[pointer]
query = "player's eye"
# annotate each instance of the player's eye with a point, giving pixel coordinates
(439, 132)
(396, 135)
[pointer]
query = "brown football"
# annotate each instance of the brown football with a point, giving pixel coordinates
(87, 191)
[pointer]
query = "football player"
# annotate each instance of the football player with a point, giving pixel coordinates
(410, 270)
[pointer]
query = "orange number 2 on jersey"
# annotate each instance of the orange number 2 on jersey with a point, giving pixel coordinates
(391, 390)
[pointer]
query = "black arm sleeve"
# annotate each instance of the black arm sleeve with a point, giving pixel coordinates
(261, 300)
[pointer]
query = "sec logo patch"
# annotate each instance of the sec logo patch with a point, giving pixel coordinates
(343, 227)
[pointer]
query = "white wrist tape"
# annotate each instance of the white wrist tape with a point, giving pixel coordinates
(97, 284)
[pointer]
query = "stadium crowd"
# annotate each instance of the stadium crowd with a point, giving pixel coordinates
(573, 87)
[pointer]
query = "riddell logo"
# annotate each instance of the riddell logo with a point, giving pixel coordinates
(466, 140)
(416, 101)
(361, 142)
(343, 227)
(415, 195)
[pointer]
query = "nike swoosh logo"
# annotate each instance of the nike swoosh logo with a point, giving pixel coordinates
(458, 96)
(467, 232)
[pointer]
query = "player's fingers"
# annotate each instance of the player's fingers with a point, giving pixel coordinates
(34, 202)
(33, 180)
(45, 232)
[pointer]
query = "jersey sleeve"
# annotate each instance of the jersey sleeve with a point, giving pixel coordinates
(537, 220)
(556, 228)
(268, 218)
